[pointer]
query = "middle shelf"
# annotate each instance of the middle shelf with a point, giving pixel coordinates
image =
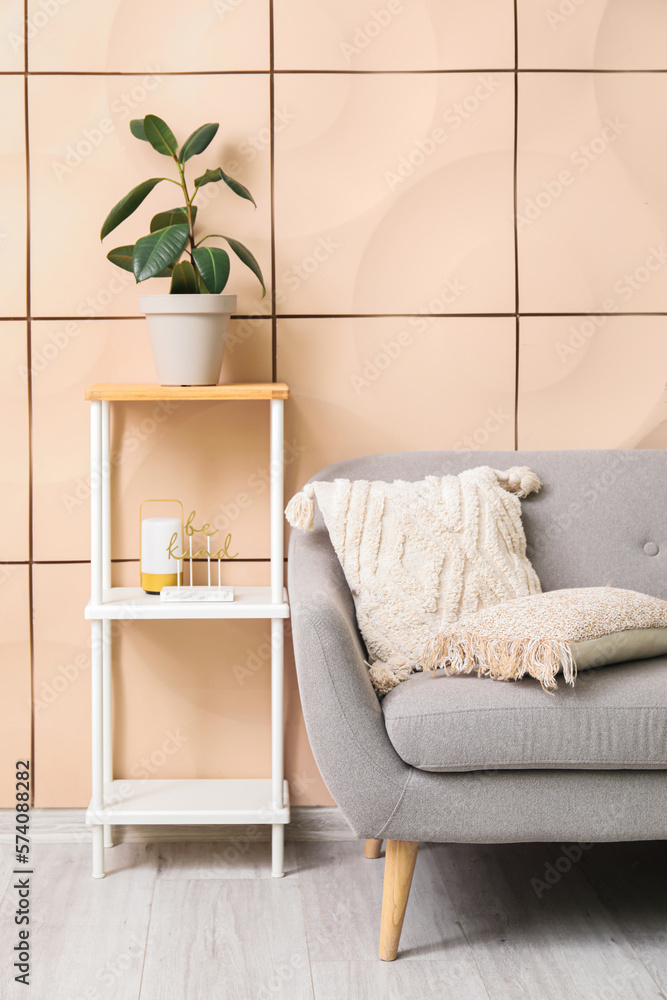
(133, 604)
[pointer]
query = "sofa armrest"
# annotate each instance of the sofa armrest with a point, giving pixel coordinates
(344, 720)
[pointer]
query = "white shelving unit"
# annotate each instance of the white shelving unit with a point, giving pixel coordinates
(188, 801)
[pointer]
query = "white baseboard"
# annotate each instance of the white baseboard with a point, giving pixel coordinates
(67, 826)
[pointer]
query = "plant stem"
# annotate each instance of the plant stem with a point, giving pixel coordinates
(188, 209)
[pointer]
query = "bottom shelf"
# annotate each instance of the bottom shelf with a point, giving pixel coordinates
(189, 801)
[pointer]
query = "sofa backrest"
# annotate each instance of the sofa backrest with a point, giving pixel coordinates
(600, 518)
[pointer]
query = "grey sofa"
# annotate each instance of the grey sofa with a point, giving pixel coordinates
(469, 760)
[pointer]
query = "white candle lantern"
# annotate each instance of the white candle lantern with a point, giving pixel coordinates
(158, 567)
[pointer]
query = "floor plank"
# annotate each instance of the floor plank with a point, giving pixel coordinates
(87, 935)
(342, 895)
(631, 881)
(393, 981)
(237, 939)
(539, 931)
(591, 928)
(240, 858)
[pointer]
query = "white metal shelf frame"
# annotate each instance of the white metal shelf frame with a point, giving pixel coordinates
(202, 801)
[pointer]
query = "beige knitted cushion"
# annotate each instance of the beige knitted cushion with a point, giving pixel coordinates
(419, 555)
(562, 630)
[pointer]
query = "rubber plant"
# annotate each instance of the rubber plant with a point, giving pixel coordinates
(172, 249)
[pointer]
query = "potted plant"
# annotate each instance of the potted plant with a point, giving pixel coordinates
(188, 326)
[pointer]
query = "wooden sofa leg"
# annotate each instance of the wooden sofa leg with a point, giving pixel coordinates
(373, 848)
(399, 865)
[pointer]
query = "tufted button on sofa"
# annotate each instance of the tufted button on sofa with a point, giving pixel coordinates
(470, 760)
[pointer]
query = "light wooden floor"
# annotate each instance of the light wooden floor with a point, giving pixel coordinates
(207, 922)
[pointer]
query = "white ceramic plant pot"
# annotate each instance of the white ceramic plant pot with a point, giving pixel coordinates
(188, 334)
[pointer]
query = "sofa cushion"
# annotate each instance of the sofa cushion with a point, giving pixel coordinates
(419, 555)
(563, 630)
(614, 718)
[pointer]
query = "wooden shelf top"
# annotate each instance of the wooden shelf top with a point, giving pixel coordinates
(148, 391)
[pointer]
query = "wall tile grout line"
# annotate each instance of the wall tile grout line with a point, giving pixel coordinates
(332, 72)
(516, 226)
(28, 306)
(86, 562)
(330, 315)
(272, 196)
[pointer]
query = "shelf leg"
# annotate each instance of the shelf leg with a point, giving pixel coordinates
(98, 852)
(96, 502)
(96, 650)
(278, 850)
(105, 488)
(277, 742)
(105, 500)
(277, 501)
(97, 801)
(107, 720)
(277, 633)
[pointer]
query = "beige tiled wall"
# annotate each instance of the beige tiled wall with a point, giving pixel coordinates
(408, 158)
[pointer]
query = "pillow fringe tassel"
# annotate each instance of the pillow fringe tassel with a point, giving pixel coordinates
(519, 480)
(462, 652)
(301, 508)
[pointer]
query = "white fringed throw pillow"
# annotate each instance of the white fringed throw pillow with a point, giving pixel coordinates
(418, 556)
(560, 631)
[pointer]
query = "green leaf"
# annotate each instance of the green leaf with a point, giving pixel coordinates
(219, 175)
(244, 254)
(213, 265)
(160, 135)
(155, 252)
(137, 129)
(183, 279)
(122, 257)
(198, 141)
(127, 205)
(172, 217)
